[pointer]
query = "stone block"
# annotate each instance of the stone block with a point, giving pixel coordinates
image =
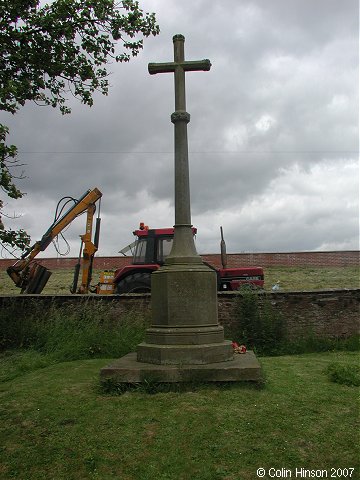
(184, 295)
(244, 367)
(185, 354)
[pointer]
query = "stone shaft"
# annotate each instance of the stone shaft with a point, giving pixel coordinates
(183, 250)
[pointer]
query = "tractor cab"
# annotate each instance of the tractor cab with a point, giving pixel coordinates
(152, 245)
(151, 248)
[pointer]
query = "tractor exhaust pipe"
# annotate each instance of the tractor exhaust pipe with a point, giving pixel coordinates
(97, 232)
(223, 249)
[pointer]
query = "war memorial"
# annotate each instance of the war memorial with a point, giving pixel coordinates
(185, 342)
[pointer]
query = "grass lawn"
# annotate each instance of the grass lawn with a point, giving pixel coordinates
(56, 423)
(291, 278)
(312, 278)
(59, 282)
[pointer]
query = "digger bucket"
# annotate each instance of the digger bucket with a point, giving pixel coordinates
(36, 279)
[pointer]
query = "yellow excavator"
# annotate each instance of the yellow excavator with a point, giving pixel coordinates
(32, 277)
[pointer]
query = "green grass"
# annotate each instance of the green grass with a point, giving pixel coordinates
(59, 282)
(312, 278)
(56, 424)
(291, 278)
(71, 332)
(344, 374)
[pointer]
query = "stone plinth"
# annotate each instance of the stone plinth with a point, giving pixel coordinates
(244, 367)
(185, 354)
(184, 296)
(185, 327)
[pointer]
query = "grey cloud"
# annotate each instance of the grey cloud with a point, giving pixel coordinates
(282, 92)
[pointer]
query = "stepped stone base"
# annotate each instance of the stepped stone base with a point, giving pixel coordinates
(185, 354)
(243, 367)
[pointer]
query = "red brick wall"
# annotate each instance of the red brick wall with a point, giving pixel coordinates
(313, 259)
(298, 259)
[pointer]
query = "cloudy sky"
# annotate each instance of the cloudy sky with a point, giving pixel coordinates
(273, 137)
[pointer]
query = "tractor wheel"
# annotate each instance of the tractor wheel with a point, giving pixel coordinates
(135, 283)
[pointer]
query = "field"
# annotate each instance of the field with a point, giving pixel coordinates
(291, 279)
(56, 423)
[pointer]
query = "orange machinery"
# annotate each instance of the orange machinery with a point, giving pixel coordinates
(32, 277)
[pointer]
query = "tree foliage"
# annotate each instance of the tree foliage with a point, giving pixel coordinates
(47, 52)
(13, 238)
(52, 52)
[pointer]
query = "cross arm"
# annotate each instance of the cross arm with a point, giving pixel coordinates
(161, 67)
(193, 66)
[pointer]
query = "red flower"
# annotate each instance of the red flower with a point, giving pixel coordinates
(238, 348)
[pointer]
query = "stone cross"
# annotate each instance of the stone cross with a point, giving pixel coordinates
(183, 250)
(185, 328)
(185, 342)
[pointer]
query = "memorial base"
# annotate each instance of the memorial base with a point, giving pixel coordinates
(243, 367)
(185, 354)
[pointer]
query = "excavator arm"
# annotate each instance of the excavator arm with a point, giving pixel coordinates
(88, 249)
(32, 277)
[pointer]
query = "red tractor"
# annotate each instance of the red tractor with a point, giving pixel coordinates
(151, 248)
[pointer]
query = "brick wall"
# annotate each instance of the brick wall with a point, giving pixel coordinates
(325, 314)
(329, 314)
(299, 259)
(313, 259)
